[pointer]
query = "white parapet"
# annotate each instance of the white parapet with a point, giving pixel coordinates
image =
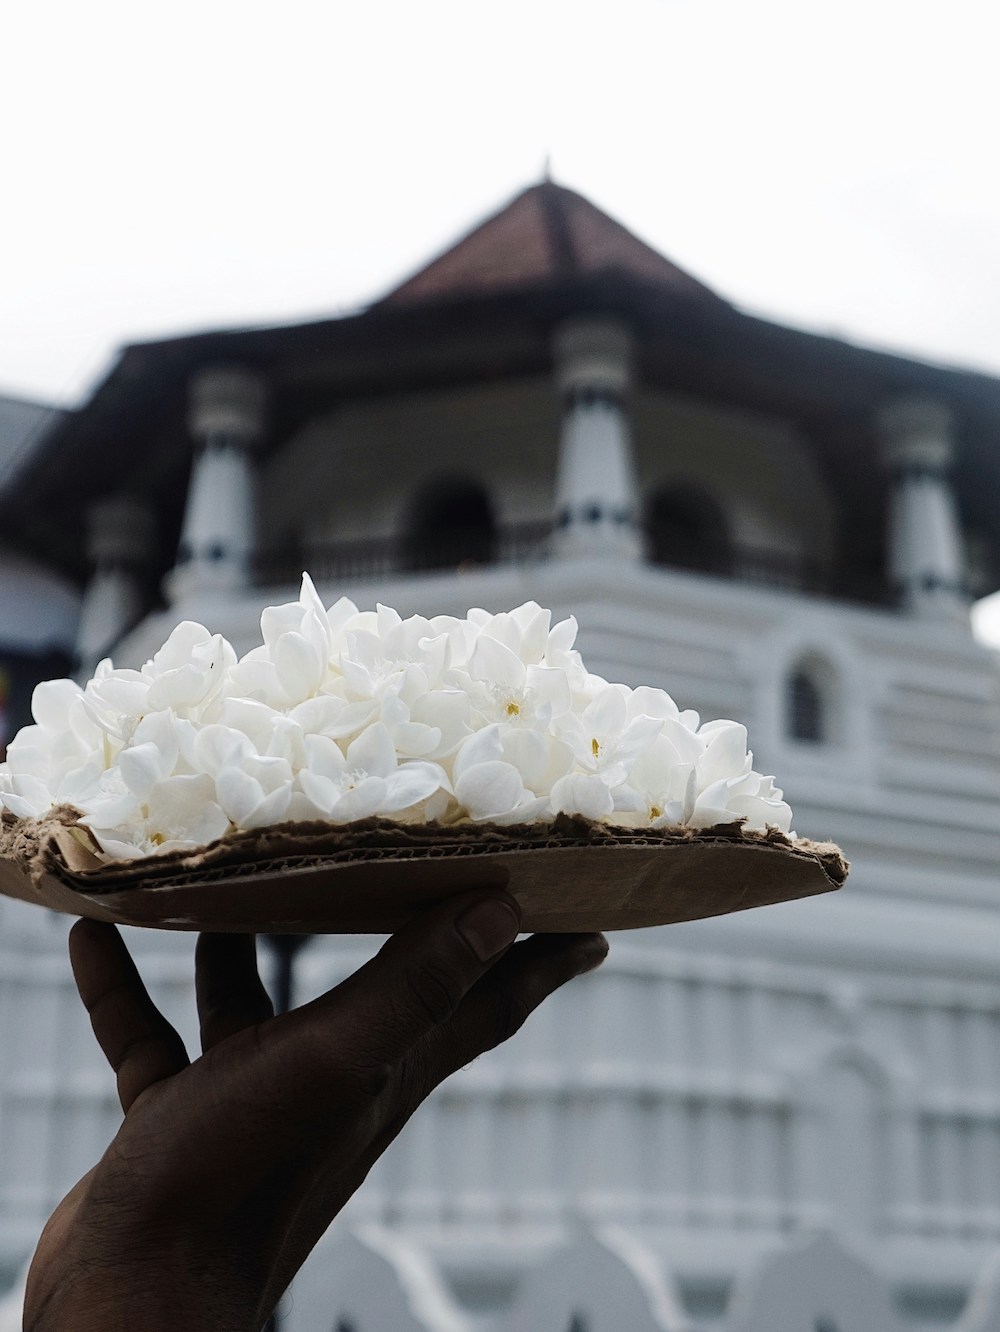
(602, 1282)
(370, 1277)
(818, 1284)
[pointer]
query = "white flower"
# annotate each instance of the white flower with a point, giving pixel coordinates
(584, 793)
(60, 758)
(26, 796)
(342, 714)
(753, 799)
(662, 786)
(367, 780)
(502, 687)
(489, 786)
(179, 814)
(603, 737)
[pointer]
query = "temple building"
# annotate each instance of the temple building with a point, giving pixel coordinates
(39, 606)
(775, 526)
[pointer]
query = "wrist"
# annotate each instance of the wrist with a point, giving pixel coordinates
(149, 1297)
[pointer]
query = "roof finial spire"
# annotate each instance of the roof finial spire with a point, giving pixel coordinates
(547, 169)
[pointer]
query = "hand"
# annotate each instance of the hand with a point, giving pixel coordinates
(228, 1169)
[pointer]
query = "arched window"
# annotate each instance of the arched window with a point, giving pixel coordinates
(452, 524)
(805, 709)
(686, 529)
(810, 694)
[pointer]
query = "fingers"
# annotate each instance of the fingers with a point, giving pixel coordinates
(415, 983)
(491, 1012)
(230, 994)
(138, 1042)
(499, 1004)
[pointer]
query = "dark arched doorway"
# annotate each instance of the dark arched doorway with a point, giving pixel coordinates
(452, 523)
(686, 529)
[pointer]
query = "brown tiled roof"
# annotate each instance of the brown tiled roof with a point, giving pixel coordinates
(546, 233)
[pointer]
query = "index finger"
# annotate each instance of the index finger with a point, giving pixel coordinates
(138, 1041)
(415, 982)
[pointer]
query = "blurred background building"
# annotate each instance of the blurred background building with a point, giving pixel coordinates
(39, 605)
(778, 527)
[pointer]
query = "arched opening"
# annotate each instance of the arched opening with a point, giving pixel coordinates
(452, 524)
(686, 529)
(806, 720)
(810, 688)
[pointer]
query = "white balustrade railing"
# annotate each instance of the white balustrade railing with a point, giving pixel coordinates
(368, 1278)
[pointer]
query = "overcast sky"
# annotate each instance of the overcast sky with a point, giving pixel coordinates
(169, 168)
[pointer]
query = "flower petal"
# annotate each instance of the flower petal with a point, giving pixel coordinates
(582, 793)
(496, 664)
(489, 789)
(373, 751)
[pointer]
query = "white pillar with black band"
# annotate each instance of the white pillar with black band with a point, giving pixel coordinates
(226, 419)
(595, 484)
(925, 550)
(121, 544)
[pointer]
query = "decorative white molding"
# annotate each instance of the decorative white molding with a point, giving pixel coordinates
(817, 1285)
(982, 1313)
(606, 1280)
(370, 1277)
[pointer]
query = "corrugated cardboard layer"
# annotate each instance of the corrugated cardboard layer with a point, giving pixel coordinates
(372, 876)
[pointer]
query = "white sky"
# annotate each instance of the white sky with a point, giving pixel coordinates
(215, 162)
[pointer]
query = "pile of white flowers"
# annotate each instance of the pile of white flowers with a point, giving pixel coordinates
(342, 714)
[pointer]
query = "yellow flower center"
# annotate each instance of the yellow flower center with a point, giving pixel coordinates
(655, 811)
(595, 746)
(513, 709)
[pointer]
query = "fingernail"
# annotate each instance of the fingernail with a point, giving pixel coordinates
(593, 954)
(488, 927)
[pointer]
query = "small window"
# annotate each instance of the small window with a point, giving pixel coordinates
(805, 709)
(452, 524)
(810, 699)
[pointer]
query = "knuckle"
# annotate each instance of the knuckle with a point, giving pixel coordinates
(361, 1084)
(376, 1078)
(511, 1015)
(415, 1083)
(433, 991)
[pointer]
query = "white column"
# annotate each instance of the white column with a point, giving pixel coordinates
(926, 558)
(120, 545)
(595, 485)
(226, 420)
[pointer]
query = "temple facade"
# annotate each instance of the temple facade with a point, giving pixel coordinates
(39, 607)
(775, 527)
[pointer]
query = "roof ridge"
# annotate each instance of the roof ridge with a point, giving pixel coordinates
(564, 258)
(546, 233)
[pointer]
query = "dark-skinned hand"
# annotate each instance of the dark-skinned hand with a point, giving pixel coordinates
(227, 1169)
